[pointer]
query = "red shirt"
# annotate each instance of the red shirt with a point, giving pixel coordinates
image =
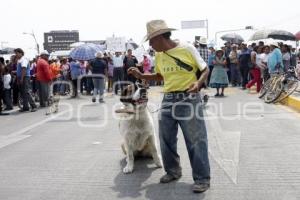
(43, 73)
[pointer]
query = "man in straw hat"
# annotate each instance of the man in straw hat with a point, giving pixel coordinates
(176, 65)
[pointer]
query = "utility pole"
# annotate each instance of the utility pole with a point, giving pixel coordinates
(35, 40)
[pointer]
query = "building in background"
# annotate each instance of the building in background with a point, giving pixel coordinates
(60, 40)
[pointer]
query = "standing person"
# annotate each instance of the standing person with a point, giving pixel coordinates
(13, 70)
(44, 77)
(203, 50)
(180, 84)
(7, 80)
(146, 64)
(110, 74)
(293, 57)
(265, 57)
(211, 57)
(99, 70)
(33, 78)
(65, 70)
(234, 68)
(83, 82)
(256, 61)
(244, 63)
(23, 77)
(226, 54)
(55, 69)
(2, 85)
(129, 61)
(275, 63)
(152, 61)
(286, 57)
(219, 77)
(118, 72)
(75, 73)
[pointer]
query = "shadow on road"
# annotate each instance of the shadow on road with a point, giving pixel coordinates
(135, 185)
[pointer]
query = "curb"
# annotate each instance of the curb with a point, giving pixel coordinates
(292, 102)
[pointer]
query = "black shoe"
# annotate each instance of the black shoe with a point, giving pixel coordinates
(3, 114)
(93, 100)
(167, 178)
(217, 95)
(101, 101)
(8, 109)
(33, 110)
(200, 187)
(24, 110)
(222, 95)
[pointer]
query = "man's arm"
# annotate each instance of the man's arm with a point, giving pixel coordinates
(137, 74)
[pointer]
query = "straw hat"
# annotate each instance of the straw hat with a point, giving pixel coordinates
(155, 28)
(203, 41)
(219, 50)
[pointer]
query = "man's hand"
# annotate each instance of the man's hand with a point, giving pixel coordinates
(135, 72)
(194, 87)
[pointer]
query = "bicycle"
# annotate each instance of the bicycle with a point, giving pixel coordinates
(279, 86)
(290, 84)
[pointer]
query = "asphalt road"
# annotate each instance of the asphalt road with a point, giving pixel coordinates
(76, 155)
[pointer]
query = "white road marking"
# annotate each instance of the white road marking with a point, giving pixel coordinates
(18, 135)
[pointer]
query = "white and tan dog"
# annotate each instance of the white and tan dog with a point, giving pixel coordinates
(137, 127)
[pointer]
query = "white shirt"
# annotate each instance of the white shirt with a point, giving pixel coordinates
(6, 81)
(118, 61)
(24, 62)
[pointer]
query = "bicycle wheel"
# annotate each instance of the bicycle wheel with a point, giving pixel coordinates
(265, 88)
(289, 86)
(274, 92)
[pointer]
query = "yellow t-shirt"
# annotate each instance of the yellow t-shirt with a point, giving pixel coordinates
(175, 77)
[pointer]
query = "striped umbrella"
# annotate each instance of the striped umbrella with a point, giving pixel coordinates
(85, 52)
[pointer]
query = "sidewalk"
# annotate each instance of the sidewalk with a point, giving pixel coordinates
(293, 101)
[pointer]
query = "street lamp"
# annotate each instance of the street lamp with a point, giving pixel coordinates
(36, 43)
(241, 29)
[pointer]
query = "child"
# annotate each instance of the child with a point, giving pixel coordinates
(7, 89)
(110, 74)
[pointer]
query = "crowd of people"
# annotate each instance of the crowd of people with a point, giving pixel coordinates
(245, 66)
(35, 81)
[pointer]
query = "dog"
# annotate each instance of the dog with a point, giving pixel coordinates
(137, 127)
(53, 104)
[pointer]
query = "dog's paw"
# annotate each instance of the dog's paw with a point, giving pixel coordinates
(128, 170)
(158, 163)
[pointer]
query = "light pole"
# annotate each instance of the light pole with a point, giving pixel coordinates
(36, 43)
(224, 31)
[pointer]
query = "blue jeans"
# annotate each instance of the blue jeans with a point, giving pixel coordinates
(194, 131)
(99, 85)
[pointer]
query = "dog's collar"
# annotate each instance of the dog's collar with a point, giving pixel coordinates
(124, 110)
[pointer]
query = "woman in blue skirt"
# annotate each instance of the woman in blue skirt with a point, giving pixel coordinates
(219, 77)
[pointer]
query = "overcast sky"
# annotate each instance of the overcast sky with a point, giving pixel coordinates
(98, 19)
